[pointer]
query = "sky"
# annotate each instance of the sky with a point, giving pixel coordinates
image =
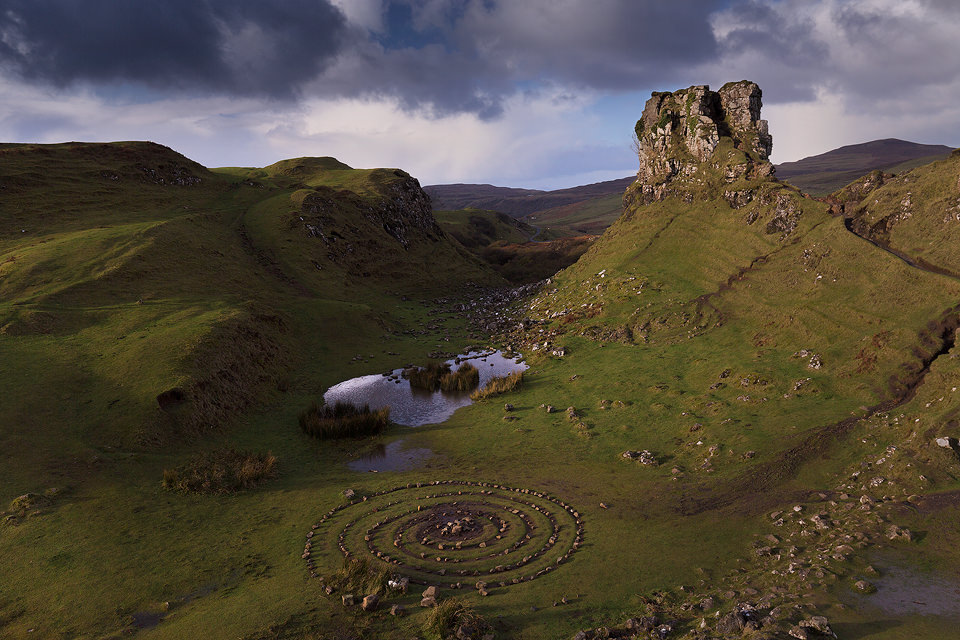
(526, 93)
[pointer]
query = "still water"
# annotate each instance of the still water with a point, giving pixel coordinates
(413, 407)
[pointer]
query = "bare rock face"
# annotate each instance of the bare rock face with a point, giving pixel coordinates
(690, 139)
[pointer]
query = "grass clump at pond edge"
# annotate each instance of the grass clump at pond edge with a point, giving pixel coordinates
(436, 376)
(500, 384)
(343, 420)
(464, 379)
(221, 471)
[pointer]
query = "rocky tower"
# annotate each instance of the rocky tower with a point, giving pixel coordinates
(695, 142)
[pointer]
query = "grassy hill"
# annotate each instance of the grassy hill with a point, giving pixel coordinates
(475, 228)
(147, 305)
(789, 379)
(827, 172)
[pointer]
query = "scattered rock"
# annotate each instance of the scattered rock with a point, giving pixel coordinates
(820, 624)
(397, 610)
(370, 602)
(947, 443)
(899, 534)
(348, 600)
(349, 494)
(864, 587)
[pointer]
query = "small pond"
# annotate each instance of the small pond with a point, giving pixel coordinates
(412, 407)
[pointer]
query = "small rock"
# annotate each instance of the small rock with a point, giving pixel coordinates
(397, 610)
(946, 443)
(348, 600)
(431, 592)
(370, 602)
(801, 633)
(428, 601)
(820, 624)
(899, 533)
(864, 587)
(349, 494)
(508, 407)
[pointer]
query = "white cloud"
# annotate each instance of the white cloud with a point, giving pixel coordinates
(544, 139)
(538, 140)
(363, 13)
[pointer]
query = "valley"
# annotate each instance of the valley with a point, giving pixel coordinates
(740, 416)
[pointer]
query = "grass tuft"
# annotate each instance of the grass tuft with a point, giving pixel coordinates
(454, 616)
(436, 376)
(427, 378)
(343, 420)
(465, 378)
(221, 471)
(498, 385)
(361, 578)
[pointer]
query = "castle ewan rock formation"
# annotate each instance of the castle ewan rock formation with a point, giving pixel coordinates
(694, 141)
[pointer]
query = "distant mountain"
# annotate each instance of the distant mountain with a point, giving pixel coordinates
(517, 202)
(827, 172)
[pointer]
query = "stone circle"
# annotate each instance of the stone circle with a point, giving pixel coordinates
(450, 533)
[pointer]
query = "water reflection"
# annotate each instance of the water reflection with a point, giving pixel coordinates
(415, 407)
(902, 591)
(392, 457)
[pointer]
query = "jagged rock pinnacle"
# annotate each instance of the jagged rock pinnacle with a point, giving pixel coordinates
(681, 140)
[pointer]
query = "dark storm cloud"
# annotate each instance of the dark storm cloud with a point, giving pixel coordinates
(447, 55)
(469, 55)
(244, 47)
(866, 51)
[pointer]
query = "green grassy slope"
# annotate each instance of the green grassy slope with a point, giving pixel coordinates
(916, 214)
(706, 320)
(476, 228)
(146, 303)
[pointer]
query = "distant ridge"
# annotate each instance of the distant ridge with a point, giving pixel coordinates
(827, 172)
(518, 202)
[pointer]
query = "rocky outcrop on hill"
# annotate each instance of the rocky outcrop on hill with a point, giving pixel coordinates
(696, 139)
(401, 209)
(405, 205)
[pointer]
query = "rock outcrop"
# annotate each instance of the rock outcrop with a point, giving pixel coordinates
(694, 141)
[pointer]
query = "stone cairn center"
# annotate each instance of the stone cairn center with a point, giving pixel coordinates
(450, 533)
